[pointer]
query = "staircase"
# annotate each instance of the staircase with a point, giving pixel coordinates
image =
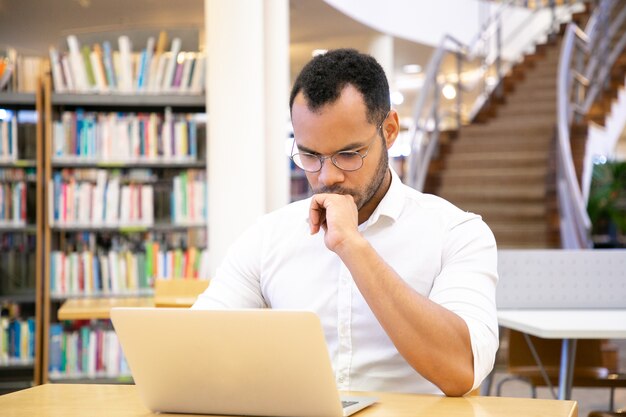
(499, 167)
(502, 165)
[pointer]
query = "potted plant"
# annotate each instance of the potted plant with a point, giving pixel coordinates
(607, 203)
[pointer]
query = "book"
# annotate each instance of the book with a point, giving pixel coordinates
(168, 77)
(57, 71)
(125, 74)
(77, 64)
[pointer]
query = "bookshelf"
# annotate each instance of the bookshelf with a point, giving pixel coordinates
(21, 246)
(125, 203)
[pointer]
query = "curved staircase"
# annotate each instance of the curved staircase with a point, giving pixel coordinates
(499, 167)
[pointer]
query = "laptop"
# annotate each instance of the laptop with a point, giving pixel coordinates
(257, 362)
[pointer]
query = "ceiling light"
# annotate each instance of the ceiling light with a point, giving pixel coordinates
(317, 52)
(448, 91)
(397, 98)
(412, 69)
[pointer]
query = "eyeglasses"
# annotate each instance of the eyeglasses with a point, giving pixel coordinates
(344, 160)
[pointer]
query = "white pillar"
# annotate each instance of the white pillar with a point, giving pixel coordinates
(381, 48)
(278, 183)
(239, 56)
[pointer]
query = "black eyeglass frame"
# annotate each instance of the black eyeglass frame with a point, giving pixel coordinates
(333, 157)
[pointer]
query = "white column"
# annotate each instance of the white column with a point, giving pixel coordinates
(381, 48)
(239, 57)
(276, 102)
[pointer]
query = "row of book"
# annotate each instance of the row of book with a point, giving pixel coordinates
(18, 174)
(124, 137)
(108, 202)
(18, 260)
(19, 73)
(189, 197)
(123, 272)
(13, 204)
(8, 139)
(105, 203)
(17, 340)
(85, 351)
(103, 69)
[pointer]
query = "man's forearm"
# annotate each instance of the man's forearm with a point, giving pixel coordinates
(433, 340)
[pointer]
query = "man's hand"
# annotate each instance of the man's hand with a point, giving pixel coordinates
(337, 214)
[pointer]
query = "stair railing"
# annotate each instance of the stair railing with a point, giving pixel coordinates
(584, 67)
(428, 120)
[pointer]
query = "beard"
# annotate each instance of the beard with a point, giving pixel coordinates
(364, 195)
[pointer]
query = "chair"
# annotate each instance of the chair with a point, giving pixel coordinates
(595, 365)
(178, 292)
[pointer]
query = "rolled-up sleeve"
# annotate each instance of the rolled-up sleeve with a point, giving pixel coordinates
(466, 286)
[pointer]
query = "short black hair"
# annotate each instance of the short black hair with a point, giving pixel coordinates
(323, 79)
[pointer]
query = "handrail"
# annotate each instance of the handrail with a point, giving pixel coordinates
(426, 127)
(577, 90)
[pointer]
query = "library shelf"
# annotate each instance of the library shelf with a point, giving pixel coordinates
(13, 99)
(129, 100)
(17, 365)
(60, 163)
(63, 309)
(10, 228)
(157, 227)
(20, 163)
(18, 298)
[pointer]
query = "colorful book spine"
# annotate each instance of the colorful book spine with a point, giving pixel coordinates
(85, 351)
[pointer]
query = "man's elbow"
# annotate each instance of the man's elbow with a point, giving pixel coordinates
(458, 384)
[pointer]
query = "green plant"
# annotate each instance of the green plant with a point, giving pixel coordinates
(607, 196)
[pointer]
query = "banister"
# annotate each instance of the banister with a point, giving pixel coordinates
(424, 130)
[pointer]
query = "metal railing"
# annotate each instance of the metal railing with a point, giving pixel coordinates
(584, 68)
(484, 53)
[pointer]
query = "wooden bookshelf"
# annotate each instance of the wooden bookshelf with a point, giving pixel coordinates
(59, 307)
(29, 301)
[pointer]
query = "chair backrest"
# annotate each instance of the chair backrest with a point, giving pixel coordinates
(557, 278)
(178, 292)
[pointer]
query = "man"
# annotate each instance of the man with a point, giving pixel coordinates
(403, 282)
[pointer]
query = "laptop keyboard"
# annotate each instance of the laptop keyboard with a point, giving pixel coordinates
(345, 404)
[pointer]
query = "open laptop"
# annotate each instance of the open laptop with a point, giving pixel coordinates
(245, 362)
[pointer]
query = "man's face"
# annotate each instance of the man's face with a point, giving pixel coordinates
(341, 126)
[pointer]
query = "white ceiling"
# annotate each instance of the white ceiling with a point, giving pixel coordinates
(32, 26)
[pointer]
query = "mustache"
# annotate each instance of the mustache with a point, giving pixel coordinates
(334, 190)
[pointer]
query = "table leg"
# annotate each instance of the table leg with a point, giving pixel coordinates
(566, 371)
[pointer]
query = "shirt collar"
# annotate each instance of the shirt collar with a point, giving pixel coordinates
(392, 203)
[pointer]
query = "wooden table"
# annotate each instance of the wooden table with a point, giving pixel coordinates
(73, 400)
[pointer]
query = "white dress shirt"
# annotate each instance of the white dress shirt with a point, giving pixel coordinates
(444, 253)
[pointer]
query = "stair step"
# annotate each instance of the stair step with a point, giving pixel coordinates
(491, 144)
(513, 123)
(495, 176)
(497, 160)
(547, 107)
(497, 128)
(504, 211)
(538, 81)
(525, 95)
(513, 193)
